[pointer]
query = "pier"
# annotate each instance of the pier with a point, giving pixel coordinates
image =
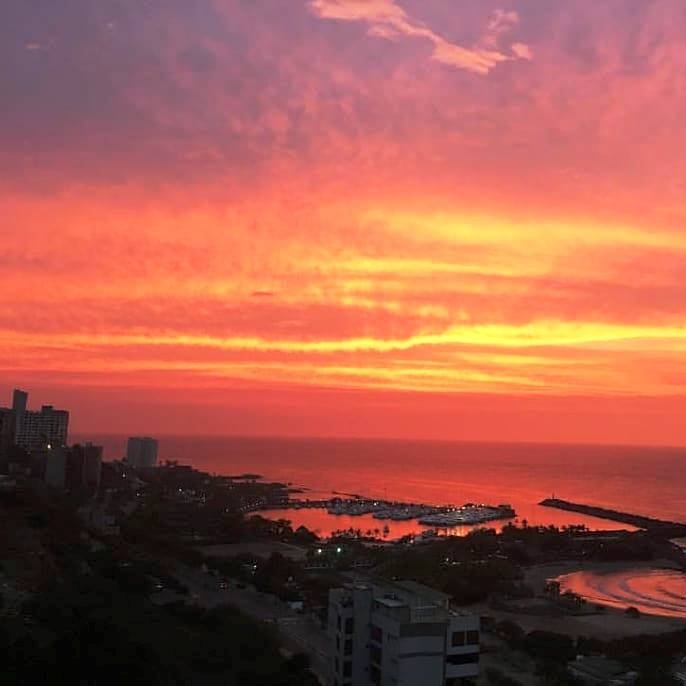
(651, 524)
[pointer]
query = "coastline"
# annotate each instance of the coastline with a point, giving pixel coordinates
(611, 622)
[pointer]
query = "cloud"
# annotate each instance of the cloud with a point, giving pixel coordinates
(281, 197)
(502, 22)
(522, 51)
(388, 20)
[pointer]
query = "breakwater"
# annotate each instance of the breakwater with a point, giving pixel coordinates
(649, 523)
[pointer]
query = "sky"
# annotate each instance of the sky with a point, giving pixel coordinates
(410, 218)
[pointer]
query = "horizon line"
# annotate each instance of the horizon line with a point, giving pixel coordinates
(386, 439)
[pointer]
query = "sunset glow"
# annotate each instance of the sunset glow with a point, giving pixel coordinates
(230, 209)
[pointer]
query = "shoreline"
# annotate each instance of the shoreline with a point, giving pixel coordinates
(612, 621)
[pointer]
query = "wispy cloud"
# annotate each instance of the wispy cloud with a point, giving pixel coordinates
(502, 22)
(522, 51)
(388, 20)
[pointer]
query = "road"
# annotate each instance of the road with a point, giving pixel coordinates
(299, 633)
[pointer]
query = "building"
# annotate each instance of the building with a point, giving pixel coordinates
(77, 468)
(45, 429)
(37, 431)
(400, 634)
(141, 452)
(55, 467)
(7, 430)
(20, 401)
(91, 469)
(601, 671)
(83, 467)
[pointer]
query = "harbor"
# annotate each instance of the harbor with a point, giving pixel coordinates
(440, 516)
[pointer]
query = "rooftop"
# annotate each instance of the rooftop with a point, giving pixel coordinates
(405, 601)
(424, 592)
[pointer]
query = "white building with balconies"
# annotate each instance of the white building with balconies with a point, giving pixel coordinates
(400, 634)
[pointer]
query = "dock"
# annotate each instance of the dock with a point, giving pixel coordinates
(442, 516)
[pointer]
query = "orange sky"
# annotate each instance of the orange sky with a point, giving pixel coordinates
(358, 217)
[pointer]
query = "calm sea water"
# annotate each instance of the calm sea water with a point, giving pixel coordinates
(650, 481)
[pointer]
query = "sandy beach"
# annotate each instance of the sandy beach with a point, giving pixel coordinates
(607, 623)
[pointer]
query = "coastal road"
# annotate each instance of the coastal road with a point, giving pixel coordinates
(299, 633)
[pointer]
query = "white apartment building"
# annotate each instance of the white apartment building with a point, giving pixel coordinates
(400, 634)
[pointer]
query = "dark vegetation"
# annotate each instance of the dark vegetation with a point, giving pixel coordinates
(92, 634)
(483, 564)
(89, 615)
(498, 678)
(649, 655)
(468, 568)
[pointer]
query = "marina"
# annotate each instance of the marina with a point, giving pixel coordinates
(428, 515)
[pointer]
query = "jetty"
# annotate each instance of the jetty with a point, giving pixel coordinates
(639, 521)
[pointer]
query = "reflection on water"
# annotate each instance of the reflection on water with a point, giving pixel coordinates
(652, 591)
(324, 524)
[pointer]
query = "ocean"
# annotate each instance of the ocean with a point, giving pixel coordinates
(643, 480)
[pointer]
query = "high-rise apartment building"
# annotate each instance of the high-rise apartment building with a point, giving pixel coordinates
(400, 634)
(76, 468)
(20, 401)
(84, 465)
(7, 430)
(45, 429)
(141, 452)
(31, 430)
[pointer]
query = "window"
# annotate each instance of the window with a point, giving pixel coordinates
(469, 659)
(347, 668)
(349, 625)
(458, 639)
(348, 647)
(472, 638)
(338, 622)
(338, 644)
(377, 634)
